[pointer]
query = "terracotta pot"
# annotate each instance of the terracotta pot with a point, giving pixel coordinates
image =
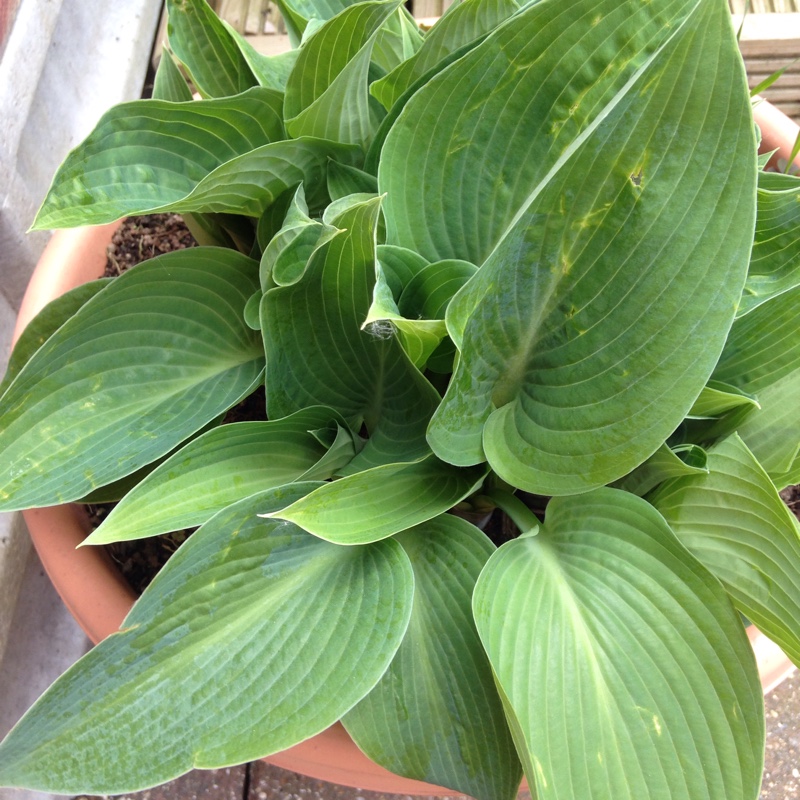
(98, 596)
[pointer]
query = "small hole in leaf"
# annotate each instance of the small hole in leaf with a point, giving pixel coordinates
(636, 179)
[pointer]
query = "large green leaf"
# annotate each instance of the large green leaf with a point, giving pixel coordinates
(469, 21)
(207, 49)
(327, 92)
(602, 304)
(775, 261)
(317, 353)
(149, 154)
(625, 668)
(381, 501)
(45, 324)
(219, 468)
(762, 358)
(153, 357)
(254, 637)
(435, 714)
(735, 522)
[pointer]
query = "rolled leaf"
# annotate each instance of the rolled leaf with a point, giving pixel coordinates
(735, 522)
(169, 83)
(601, 305)
(151, 359)
(366, 378)
(625, 669)
(254, 637)
(450, 710)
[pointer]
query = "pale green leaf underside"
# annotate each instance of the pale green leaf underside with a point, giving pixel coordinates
(717, 399)
(317, 353)
(775, 260)
(151, 359)
(254, 637)
(735, 522)
(665, 463)
(379, 502)
(219, 468)
(45, 324)
(435, 714)
(762, 358)
(201, 41)
(596, 320)
(627, 668)
(150, 154)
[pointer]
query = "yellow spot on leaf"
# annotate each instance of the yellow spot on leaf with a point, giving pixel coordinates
(657, 725)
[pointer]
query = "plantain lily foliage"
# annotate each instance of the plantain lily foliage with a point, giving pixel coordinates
(527, 261)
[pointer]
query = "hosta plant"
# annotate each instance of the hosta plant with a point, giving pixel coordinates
(525, 263)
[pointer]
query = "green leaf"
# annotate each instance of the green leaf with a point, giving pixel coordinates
(219, 468)
(734, 521)
(157, 354)
(399, 265)
(718, 398)
(601, 306)
(327, 94)
(207, 50)
(317, 9)
(626, 670)
(469, 22)
(254, 637)
(667, 462)
(419, 313)
(381, 501)
(399, 38)
(148, 155)
(45, 324)
(251, 183)
(271, 71)
(775, 260)
(762, 358)
(286, 256)
(169, 82)
(435, 714)
(344, 180)
(366, 378)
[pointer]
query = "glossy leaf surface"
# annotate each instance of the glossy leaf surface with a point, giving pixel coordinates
(436, 715)
(156, 355)
(243, 597)
(601, 304)
(622, 661)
